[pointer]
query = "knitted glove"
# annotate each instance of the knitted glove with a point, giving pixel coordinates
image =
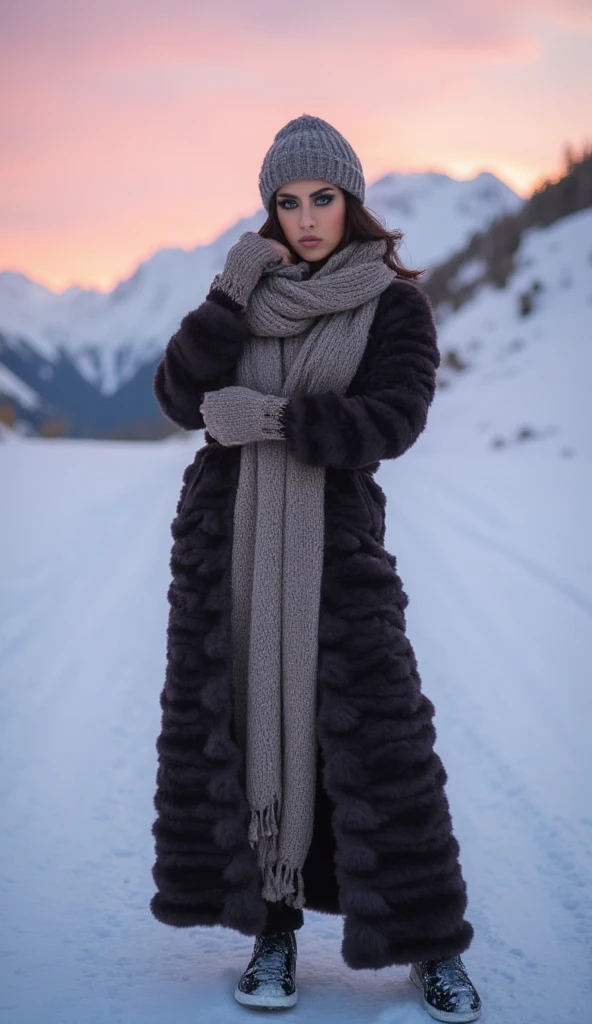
(237, 415)
(245, 263)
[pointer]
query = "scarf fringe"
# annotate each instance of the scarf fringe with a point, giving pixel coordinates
(281, 881)
(264, 822)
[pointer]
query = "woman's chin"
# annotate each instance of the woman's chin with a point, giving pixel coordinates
(314, 256)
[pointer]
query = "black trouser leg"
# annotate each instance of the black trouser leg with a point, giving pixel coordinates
(282, 918)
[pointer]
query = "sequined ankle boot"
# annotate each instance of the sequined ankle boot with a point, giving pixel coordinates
(447, 991)
(270, 978)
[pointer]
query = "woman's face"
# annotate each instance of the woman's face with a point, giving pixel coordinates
(311, 207)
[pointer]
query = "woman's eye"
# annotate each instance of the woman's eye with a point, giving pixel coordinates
(323, 200)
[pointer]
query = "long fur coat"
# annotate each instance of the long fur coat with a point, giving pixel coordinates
(384, 854)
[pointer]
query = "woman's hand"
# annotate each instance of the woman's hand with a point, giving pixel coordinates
(236, 415)
(249, 258)
(284, 252)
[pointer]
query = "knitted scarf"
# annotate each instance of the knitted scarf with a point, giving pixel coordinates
(308, 335)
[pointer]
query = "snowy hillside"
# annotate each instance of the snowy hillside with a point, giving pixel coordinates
(518, 360)
(493, 550)
(109, 336)
(11, 386)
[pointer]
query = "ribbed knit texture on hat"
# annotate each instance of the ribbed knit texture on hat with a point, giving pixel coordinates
(309, 147)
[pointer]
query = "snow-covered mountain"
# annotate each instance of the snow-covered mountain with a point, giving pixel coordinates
(438, 214)
(105, 338)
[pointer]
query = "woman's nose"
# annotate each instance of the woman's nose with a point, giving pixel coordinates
(306, 218)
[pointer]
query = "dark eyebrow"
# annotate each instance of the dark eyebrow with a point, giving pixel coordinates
(290, 195)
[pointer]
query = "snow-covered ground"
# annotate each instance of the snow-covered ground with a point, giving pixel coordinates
(494, 553)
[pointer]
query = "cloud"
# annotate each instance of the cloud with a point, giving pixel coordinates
(146, 32)
(116, 113)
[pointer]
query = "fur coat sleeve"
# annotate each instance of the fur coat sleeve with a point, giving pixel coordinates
(394, 387)
(200, 356)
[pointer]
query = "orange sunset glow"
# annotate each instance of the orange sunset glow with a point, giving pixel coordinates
(128, 127)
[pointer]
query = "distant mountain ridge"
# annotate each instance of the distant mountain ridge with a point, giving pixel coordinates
(87, 357)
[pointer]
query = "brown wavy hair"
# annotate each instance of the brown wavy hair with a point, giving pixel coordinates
(360, 225)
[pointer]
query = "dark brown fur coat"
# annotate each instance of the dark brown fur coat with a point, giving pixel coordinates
(384, 854)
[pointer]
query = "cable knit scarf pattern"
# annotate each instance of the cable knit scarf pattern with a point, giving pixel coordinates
(278, 542)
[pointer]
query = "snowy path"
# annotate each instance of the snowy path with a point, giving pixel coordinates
(495, 557)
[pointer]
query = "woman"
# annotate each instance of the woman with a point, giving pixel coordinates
(296, 755)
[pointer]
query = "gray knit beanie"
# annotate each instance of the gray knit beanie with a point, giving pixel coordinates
(308, 147)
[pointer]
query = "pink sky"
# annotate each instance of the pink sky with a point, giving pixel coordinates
(131, 125)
